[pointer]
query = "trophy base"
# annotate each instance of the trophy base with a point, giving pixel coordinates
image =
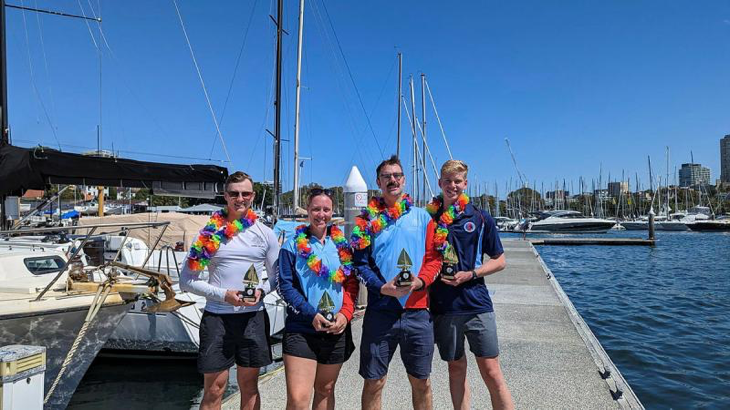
(404, 279)
(248, 295)
(329, 316)
(449, 277)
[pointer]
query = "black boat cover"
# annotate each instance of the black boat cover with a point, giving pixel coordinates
(34, 168)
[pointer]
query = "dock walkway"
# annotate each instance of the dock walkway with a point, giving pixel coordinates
(550, 358)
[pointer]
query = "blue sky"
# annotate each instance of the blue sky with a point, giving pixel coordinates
(577, 86)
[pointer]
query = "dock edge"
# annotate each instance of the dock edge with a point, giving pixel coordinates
(619, 388)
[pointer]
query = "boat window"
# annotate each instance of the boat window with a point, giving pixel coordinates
(44, 264)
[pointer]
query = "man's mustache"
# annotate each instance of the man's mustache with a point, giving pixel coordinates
(392, 184)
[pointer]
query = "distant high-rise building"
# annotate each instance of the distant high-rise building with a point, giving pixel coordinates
(616, 189)
(693, 174)
(725, 159)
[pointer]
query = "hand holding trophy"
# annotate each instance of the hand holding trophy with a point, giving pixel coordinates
(325, 308)
(250, 281)
(405, 276)
(449, 266)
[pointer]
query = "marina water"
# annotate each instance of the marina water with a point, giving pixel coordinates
(662, 313)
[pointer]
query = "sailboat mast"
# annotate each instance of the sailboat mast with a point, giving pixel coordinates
(277, 124)
(415, 147)
(423, 133)
(5, 132)
(400, 99)
(296, 106)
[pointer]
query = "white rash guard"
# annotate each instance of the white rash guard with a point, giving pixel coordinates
(256, 246)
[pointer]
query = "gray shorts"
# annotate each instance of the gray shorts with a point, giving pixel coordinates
(480, 330)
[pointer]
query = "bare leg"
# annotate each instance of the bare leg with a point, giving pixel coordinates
(324, 386)
(494, 379)
(372, 393)
(458, 384)
(248, 384)
(214, 385)
(300, 374)
(421, 393)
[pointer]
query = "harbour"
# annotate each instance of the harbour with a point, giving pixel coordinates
(645, 313)
(616, 289)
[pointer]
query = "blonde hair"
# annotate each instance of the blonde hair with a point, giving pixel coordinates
(454, 166)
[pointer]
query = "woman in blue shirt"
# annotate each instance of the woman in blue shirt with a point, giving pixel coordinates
(317, 281)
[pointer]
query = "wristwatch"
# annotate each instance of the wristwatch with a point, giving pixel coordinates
(474, 275)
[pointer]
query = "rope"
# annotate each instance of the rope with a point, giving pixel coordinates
(45, 62)
(101, 293)
(32, 81)
(428, 148)
(202, 83)
(366, 162)
(418, 151)
(235, 70)
(357, 91)
(443, 133)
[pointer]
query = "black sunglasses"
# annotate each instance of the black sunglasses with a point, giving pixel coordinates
(319, 191)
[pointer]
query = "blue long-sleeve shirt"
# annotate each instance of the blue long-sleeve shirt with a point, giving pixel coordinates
(302, 289)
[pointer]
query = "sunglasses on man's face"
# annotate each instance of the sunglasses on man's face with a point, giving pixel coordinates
(394, 175)
(319, 191)
(242, 194)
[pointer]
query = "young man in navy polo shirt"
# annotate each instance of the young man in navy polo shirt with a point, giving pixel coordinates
(461, 305)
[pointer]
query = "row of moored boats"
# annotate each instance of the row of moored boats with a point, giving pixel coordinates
(565, 221)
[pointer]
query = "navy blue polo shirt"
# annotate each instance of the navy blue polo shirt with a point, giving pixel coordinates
(473, 234)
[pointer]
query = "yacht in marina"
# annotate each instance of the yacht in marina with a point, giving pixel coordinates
(711, 225)
(569, 222)
(51, 296)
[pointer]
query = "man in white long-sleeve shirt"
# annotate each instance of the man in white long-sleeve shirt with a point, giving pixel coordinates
(232, 330)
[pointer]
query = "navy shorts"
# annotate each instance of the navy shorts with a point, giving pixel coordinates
(240, 338)
(383, 332)
(480, 329)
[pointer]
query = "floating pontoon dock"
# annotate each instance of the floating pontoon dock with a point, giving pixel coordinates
(550, 358)
(593, 241)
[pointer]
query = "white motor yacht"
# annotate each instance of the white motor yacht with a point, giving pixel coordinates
(569, 222)
(505, 224)
(675, 222)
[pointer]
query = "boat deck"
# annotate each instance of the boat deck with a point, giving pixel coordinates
(549, 356)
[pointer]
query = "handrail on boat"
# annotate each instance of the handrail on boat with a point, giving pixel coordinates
(93, 228)
(127, 226)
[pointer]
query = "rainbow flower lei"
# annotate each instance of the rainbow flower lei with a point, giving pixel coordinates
(217, 230)
(446, 219)
(376, 217)
(301, 239)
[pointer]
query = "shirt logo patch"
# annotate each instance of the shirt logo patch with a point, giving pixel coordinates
(470, 226)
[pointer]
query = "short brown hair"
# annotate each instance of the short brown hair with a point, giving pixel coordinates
(238, 176)
(393, 160)
(454, 166)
